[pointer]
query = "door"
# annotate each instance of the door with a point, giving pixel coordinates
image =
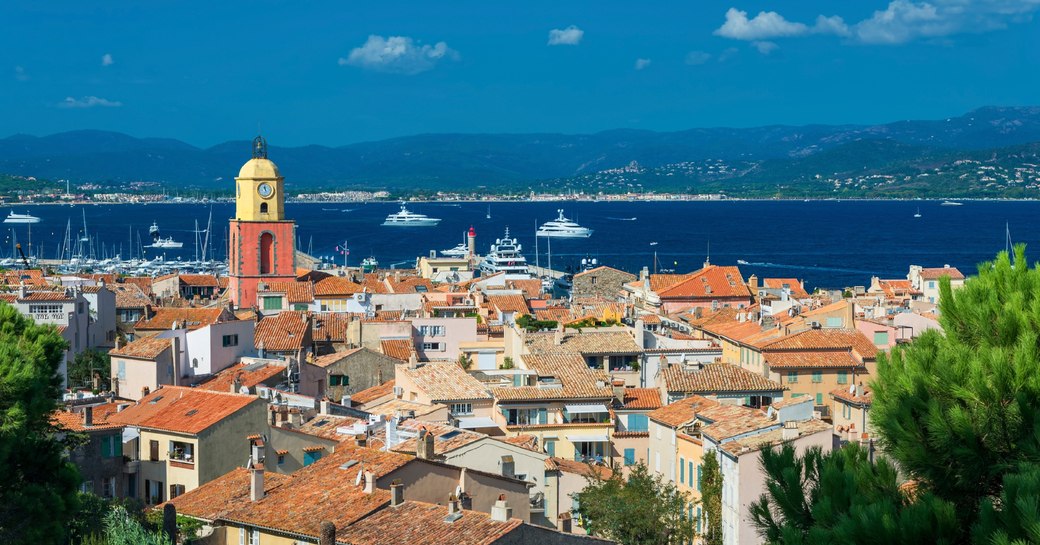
(153, 451)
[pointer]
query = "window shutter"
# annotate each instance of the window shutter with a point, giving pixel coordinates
(682, 470)
(543, 416)
(117, 444)
(106, 448)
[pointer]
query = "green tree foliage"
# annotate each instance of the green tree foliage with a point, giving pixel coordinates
(711, 499)
(643, 509)
(89, 521)
(957, 410)
(38, 495)
(85, 365)
(529, 323)
(123, 529)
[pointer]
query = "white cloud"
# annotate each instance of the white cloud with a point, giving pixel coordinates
(697, 57)
(398, 55)
(830, 25)
(765, 47)
(88, 102)
(20, 74)
(106, 60)
(728, 54)
(767, 24)
(571, 35)
(642, 63)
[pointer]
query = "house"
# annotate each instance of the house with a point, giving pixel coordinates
(186, 286)
(67, 309)
(816, 361)
(440, 338)
(632, 425)
(723, 382)
(99, 459)
(602, 281)
(274, 297)
(340, 374)
(132, 305)
(167, 318)
(562, 402)
(851, 413)
(246, 376)
(926, 280)
(447, 384)
(142, 366)
(444, 269)
(569, 477)
(286, 334)
(186, 438)
(614, 350)
(712, 287)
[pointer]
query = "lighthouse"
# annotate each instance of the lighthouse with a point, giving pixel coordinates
(471, 242)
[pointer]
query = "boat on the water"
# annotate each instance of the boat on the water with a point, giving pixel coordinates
(406, 218)
(369, 264)
(504, 256)
(159, 242)
(459, 251)
(918, 213)
(951, 203)
(562, 227)
(21, 218)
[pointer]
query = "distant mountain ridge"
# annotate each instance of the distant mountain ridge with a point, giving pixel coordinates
(467, 161)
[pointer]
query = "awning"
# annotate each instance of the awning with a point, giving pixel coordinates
(586, 409)
(588, 438)
(474, 422)
(130, 433)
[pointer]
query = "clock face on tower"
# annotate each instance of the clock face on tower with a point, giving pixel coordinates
(265, 190)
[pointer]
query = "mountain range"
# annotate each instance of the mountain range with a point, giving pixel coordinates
(469, 161)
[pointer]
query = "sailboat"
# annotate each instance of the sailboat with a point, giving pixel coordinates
(489, 212)
(918, 214)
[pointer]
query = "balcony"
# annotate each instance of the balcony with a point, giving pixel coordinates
(132, 467)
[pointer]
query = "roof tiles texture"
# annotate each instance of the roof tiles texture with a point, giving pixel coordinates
(682, 411)
(285, 332)
(146, 348)
(184, 410)
(445, 381)
(573, 380)
(716, 378)
(189, 318)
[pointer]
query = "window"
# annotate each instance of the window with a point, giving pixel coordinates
(698, 520)
(432, 330)
(931, 284)
(638, 422)
(112, 446)
(525, 417)
(817, 376)
(176, 490)
(843, 377)
(153, 451)
(241, 536)
(699, 466)
(272, 303)
(87, 487)
(433, 346)
(310, 457)
(461, 408)
(550, 447)
(79, 308)
(682, 470)
(281, 459)
(108, 487)
(508, 468)
(263, 210)
(182, 452)
(819, 399)
(833, 322)
(254, 534)
(792, 377)
(153, 491)
(880, 338)
(339, 380)
(44, 309)
(657, 462)
(630, 456)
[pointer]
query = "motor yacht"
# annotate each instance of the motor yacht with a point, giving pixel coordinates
(21, 218)
(562, 227)
(504, 257)
(405, 218)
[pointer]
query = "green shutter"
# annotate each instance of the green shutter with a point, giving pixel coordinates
(699, 477)
(817, 376)
(543, 416)
(819, 399)
(843, 377)
(106, 447)
(117, 442)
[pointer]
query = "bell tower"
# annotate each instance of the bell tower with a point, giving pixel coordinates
(262, 242)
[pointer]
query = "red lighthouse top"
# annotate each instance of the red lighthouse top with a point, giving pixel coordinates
(472, 231)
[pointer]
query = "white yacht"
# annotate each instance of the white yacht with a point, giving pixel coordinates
(562, 227)
(21, 218)
(404, 218)
(504, 257)
(459, 251)
(159, 242)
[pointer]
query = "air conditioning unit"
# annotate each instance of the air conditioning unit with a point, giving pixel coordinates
(398, 391)
(814, 325)
(361, 297)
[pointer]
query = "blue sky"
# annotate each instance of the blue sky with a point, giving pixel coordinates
(339, 72)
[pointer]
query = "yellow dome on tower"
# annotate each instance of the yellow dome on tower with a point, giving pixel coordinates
(259, 168)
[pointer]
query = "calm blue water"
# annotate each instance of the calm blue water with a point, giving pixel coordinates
(826, 243)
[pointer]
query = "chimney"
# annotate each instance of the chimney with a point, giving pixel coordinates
(88, 416)
(362, 439)
(413, 361)
(501, 511)
(424, 445)
(272, 416)
(370, 482)
(145, 391)
(618, 386)
(790, 431)
(644, 273)
(453, 504)
(236, 383)
(256, 469)
(323, 406)
(295, 418)
(396, 494)
(326, 533)
(21, 290)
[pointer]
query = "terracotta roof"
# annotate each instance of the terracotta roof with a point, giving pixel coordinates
(815, 360)
(935, 273)
(754, 443)
(735, 331)
(726, 421)
(445, 381)
(710, 282)
(791, 401)
(708, 316)
(394, 407)
(399, 349)
(642, 398)
(248, 375)
(659, 282)
(325, 426)
(604, 268)
(184, 410)
(682, 411)
(335, 286)
(865, 397)
(524, 441)
(143, 282)
(30, 277)
(224, 494)
(330, 326)
(373, 393)
(561, 376)
(129, 296)
(146, 348)
(335, 357)
(716, 378)
(445, 438)
(410, 285)
(509, 303)
(284, 332)
(295, 292)
(795, 285)
(578, 468)
(532, 288)
(47, 295)
(199, 280)
(418, 523)
(589, 341)
(824, 339)
(554, 314)
(190, 318)
(73, 421)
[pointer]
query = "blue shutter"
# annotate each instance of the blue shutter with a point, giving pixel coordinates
(550, 448)
(630, 456)
(543, 416)
(699, 477)
(117, 445)
(691, 473)
(638, 422)
(698, 520)
(682, 470)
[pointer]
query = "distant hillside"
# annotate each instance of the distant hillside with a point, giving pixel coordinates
(467, 161)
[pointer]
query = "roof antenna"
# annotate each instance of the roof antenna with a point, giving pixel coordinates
(707, 256)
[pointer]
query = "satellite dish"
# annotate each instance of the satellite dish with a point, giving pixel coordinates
(244, 390)
(458, 491)
(852, 389)
(357, 481)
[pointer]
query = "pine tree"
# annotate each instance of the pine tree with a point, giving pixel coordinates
(711, 499)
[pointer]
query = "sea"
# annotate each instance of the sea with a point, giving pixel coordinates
(831, 244)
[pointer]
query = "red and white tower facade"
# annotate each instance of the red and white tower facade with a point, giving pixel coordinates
(262, 242)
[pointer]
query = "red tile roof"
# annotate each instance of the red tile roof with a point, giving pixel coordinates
(373, 393)
(715, 378)
(249, 375)
(710, 282)
(510, 303)
(190, 318)
(419, 523)
(147, 348)
(287, 331)
(642, 398)
(680, 412)
(577, 468)
(73, 421)
(183, 410)
(815, 360)
(295, 292)
(399, 349)
(795, 285)
(335, 286)
(561, 376)
(330, 326)
(824, 339)
(935, 273)
(445, 381)
(199, 280)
